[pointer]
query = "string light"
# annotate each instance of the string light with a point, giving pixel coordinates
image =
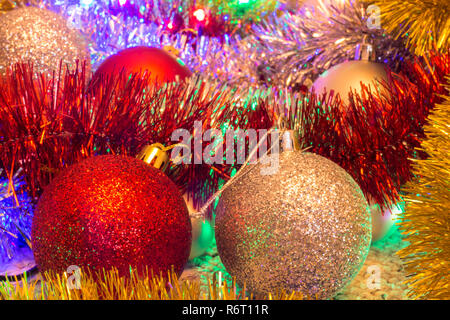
(200, 15)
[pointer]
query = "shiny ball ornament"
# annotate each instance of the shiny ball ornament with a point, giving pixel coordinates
(111, 211)
(348, 76)
(202, 236)
(306, 228)
(202, 232)
(42, 37)
(159, 64)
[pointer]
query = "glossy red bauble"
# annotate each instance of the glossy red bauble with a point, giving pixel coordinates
(159, 64)
(111, 211)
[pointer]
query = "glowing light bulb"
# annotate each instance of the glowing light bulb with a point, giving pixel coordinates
(200, 14)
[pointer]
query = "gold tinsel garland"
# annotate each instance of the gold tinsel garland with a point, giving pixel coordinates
(425, 23)
(426, 222)
(241, 10)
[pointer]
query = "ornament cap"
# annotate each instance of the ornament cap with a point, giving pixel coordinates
(364, 51)
(290, 141)
(155, 155)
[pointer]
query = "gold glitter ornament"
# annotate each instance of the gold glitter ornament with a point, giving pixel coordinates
(31, 34)
(305, 228)
(348, 76)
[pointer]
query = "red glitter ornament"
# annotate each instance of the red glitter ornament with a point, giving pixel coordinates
(162, 66)
(111, 211)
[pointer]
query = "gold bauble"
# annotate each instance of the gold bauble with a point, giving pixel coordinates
(306, 228)
(382, 221)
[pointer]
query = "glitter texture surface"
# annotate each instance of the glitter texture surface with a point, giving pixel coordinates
(111, 211)
(305, 228)
(42, 37)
